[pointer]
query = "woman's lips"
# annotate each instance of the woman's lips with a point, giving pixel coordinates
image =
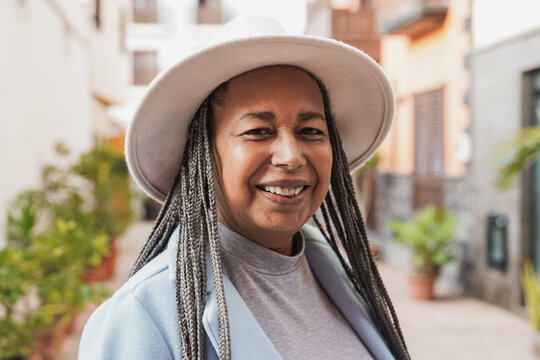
(284, 199)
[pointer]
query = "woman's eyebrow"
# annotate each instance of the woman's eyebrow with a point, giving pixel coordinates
(308, 115)
(270, 116)
(263, 115)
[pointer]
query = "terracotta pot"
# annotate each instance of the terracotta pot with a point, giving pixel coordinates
(70, 326)
(106, 270)
(47, 343)
(421, 286)
(109, 261)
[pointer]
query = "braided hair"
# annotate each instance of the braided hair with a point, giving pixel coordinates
(190, 206)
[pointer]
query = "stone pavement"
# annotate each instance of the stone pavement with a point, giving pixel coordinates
(456, 328)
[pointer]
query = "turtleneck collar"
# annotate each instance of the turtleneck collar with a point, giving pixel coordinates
(256, 256)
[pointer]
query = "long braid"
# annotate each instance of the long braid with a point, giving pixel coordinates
(341, 215)
(224, 331)
(191, 207)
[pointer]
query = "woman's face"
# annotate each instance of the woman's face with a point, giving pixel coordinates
(272, 153)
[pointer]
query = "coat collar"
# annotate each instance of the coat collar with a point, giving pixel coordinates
(333, 279)
(246, 330)
(243, 326)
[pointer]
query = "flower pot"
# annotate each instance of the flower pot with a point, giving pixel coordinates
(109, 261)
(421, 286)
(106, 270)
(47, 343)
(70, 326)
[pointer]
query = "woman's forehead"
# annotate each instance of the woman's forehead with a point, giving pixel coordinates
(272, 73)
(271, 82)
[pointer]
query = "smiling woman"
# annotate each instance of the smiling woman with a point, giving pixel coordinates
(272, 154)
(242, 157)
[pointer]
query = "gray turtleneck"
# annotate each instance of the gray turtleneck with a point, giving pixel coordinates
(287, 301)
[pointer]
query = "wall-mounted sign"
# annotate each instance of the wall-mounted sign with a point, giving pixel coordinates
(497, 241)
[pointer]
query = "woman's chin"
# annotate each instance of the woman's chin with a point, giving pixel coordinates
(281, 225)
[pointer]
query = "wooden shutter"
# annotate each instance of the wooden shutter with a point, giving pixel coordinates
(429, 149)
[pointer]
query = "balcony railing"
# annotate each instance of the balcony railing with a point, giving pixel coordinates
(413, 18)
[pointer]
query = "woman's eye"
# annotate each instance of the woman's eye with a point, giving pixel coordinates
(311, 131)
(257, 132)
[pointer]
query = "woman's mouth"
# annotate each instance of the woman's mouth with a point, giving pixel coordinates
(284, 195)
(283, 191)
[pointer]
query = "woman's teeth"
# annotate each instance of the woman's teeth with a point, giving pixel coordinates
(283, 191)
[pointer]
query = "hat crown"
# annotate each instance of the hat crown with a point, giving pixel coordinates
(361, 95)
(249, 26)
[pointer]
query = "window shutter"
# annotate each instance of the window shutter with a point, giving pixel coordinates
(429, 148)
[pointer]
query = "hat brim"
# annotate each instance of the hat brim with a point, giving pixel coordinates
(361, 99)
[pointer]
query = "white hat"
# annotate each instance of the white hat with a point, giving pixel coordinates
(361, 97)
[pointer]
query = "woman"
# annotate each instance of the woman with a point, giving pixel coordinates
(240, 143)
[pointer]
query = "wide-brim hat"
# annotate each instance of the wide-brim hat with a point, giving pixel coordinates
(361, 97)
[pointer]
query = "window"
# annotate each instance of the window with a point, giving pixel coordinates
(144, 67)
(145, 11)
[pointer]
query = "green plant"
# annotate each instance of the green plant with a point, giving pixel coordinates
(107, 173)
(429, 236)
(517, 154)
(371, 164)
(531, 292)
(52, 239)
(41, 284)
(23, 217)
(17, 274)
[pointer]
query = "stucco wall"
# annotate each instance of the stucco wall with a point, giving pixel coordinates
(44, 86)
(497, 115)
(111, 70)
(414, 66)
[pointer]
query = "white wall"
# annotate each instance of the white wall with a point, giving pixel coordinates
(497, 95)
(58, 74)
(44, 85)
(319, 18)
(111, 63)
(497, 20)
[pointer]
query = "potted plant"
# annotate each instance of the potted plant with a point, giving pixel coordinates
(51, 241)
(111, 210)
(531, 295)
(429, 236)
(41, 288)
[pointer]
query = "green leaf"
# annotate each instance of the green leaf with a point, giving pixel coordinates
(516, 155)
(428, 235)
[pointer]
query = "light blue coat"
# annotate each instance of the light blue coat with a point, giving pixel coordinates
(140, 320)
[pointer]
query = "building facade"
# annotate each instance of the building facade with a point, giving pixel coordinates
(466, 82)
(506, 98)
(425, 50)
(60, 71)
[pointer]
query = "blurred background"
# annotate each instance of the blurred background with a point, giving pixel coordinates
(453, 196)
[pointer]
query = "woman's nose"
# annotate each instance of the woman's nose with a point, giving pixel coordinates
(288, 152)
